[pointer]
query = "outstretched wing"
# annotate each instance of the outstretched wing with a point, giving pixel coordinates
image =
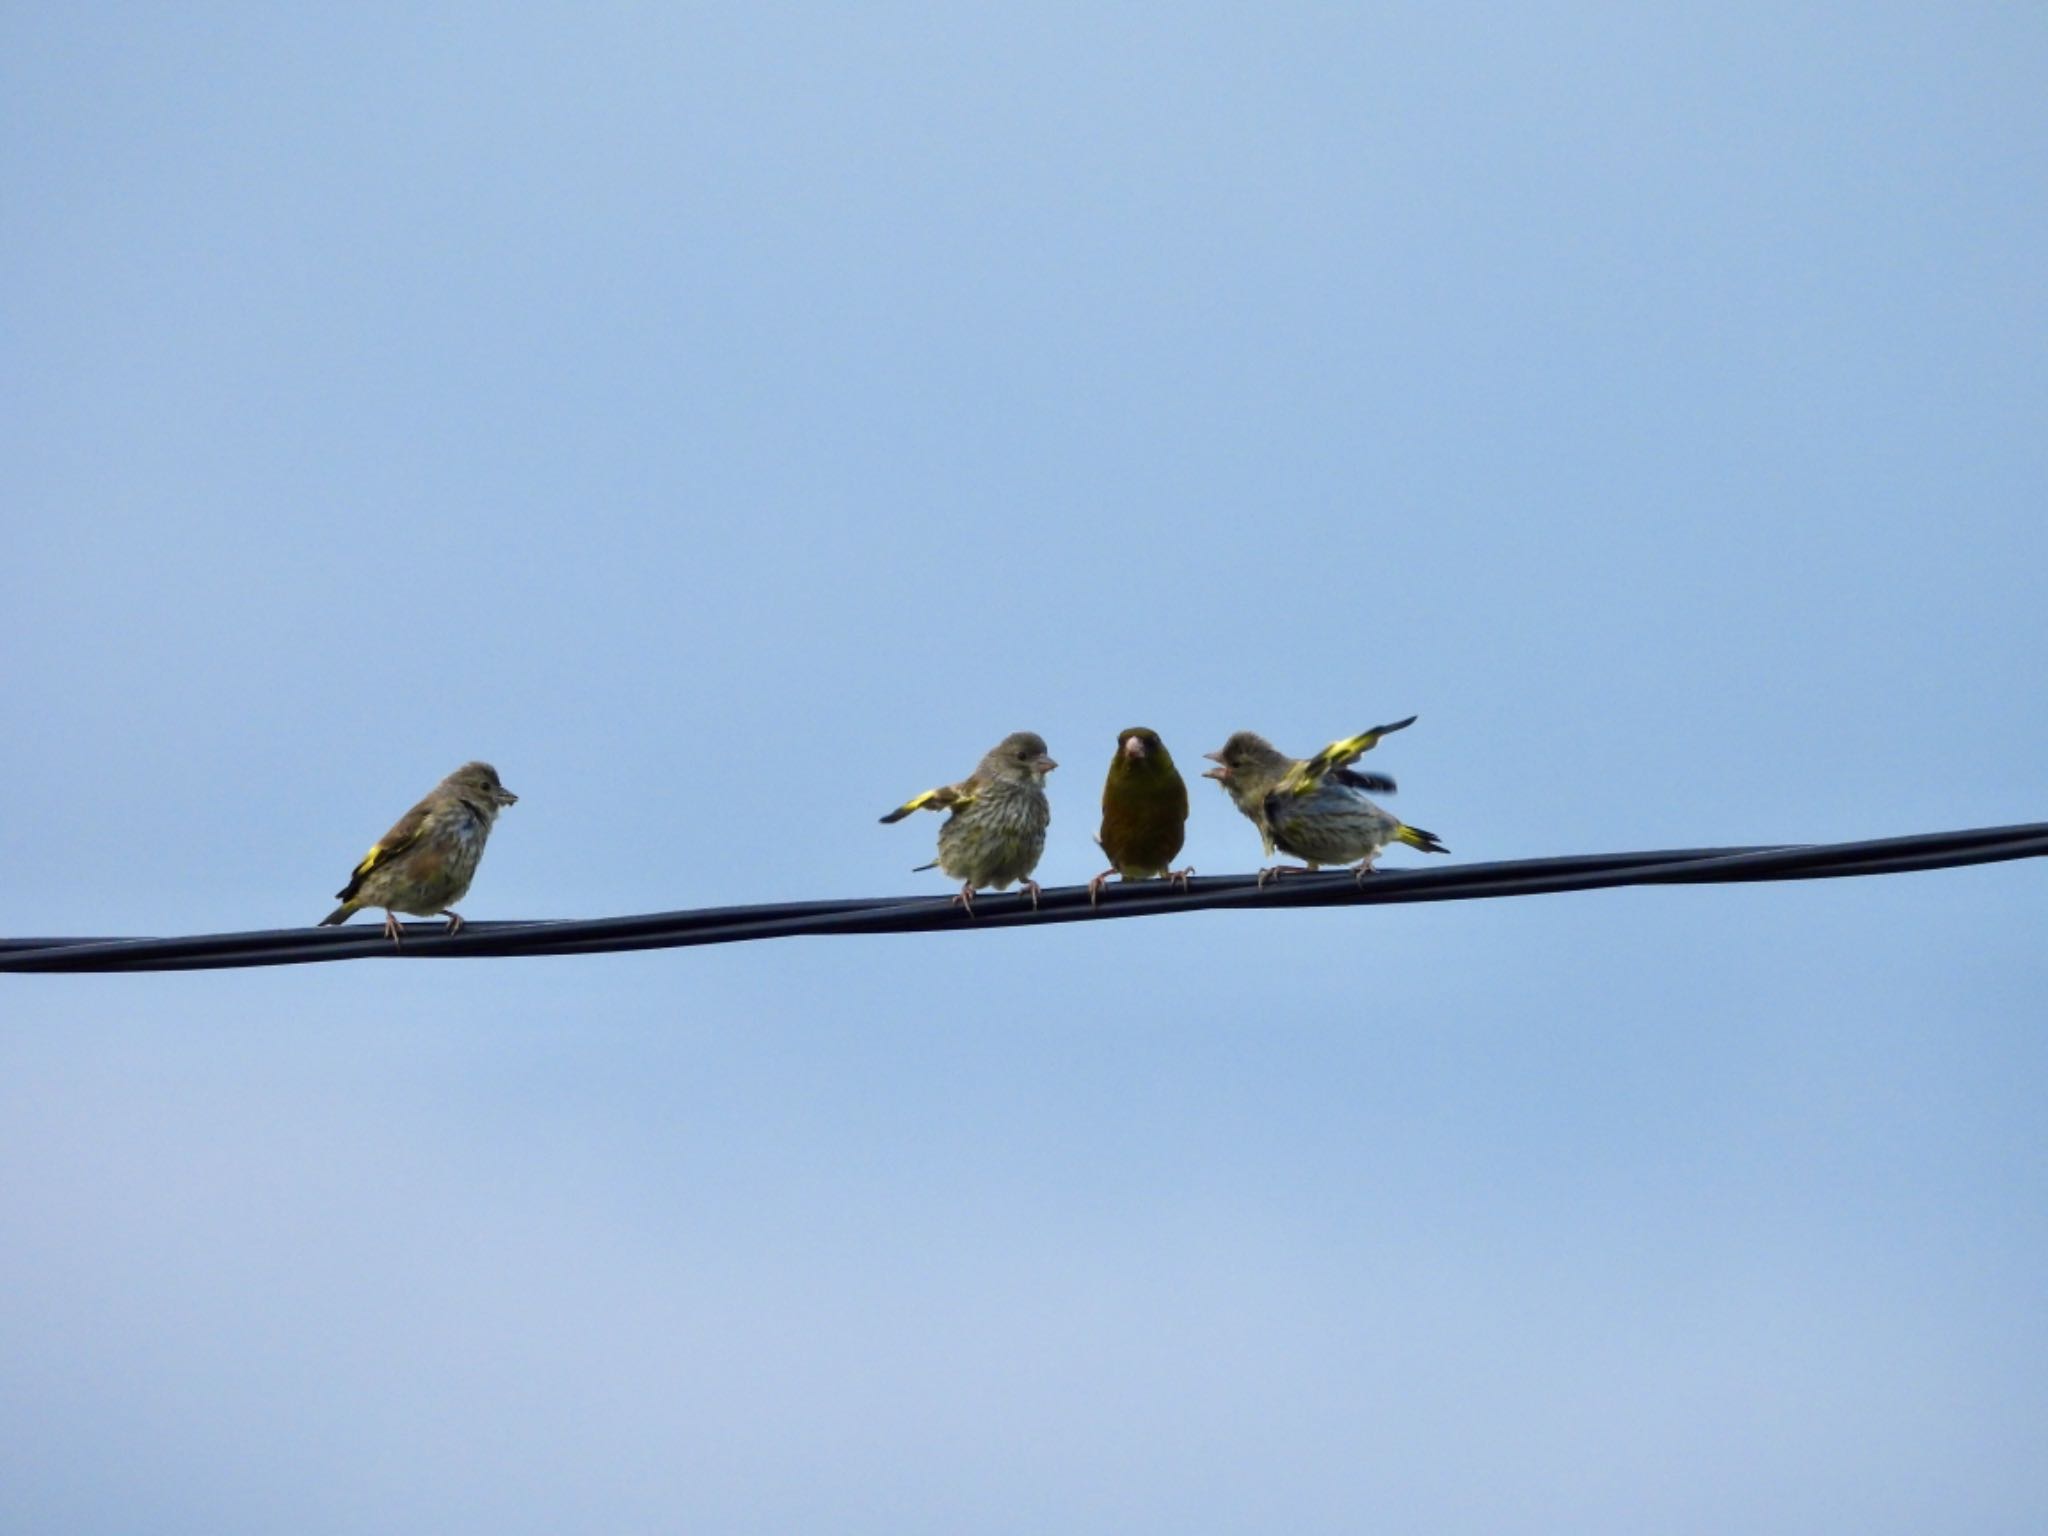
(1378, 783)
(1339, 754)
(947, 797)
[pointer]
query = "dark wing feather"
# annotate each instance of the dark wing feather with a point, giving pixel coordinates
(1378, 783)
(403, 834)
(947, 797)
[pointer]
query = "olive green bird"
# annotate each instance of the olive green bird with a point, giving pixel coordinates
(996, 831)
(424, 864)
(1144, 812)
(1314, 809)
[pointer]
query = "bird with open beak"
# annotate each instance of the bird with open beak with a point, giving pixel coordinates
(996, 831)
(1314, 809)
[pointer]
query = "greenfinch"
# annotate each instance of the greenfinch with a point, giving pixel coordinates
(424, 864)
(999, 813)
(1144, 812)
(1314, 809)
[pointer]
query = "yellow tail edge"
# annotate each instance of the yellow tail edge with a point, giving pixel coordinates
(1415, 837)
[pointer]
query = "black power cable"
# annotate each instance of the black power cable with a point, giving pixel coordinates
(1065, 904)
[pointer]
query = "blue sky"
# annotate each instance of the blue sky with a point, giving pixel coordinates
(729, 420)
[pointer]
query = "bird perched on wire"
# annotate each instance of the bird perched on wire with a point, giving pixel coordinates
(1250, 768)
(996, 831)
(1315, 809)
(424, 864)
(1144, 812)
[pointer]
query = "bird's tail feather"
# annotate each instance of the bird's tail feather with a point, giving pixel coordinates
(340, 914)
(918, 869)
(1415, 837)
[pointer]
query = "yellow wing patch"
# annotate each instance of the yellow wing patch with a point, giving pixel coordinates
(1338, 754)
(948, 797)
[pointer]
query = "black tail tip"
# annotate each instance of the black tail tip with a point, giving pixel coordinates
(1426, 842)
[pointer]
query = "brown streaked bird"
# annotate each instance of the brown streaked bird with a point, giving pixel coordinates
(424, 864)
(1318, 814)
(1144, 812)
(996, 831)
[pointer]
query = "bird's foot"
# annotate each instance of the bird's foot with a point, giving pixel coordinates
(1284, 869)
(1031, 890)
(454, 922)
(1364, 868)
(966, 897)
(391, 929)
(1180, 877)
(1095, 886)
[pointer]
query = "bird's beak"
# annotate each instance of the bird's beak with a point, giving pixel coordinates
(1134, 748)
(1044, 765)
(506, 797)
(1219, 773)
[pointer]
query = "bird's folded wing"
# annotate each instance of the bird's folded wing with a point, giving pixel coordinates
(403, 834)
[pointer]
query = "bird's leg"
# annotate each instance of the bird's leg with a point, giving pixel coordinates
(454, 921)
(966, 897)
(1284, 869)
(1364, 868)
(1031, 890)
(391, 929)
(1095, 886)
(1180, 877)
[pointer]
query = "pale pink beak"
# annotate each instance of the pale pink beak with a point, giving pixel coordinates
(1044, 765)
(1219, 773)
(1134, 748)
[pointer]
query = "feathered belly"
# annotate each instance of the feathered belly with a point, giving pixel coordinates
(1142, 846)
(996, 840)
(1331, 829)
(430, 876)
